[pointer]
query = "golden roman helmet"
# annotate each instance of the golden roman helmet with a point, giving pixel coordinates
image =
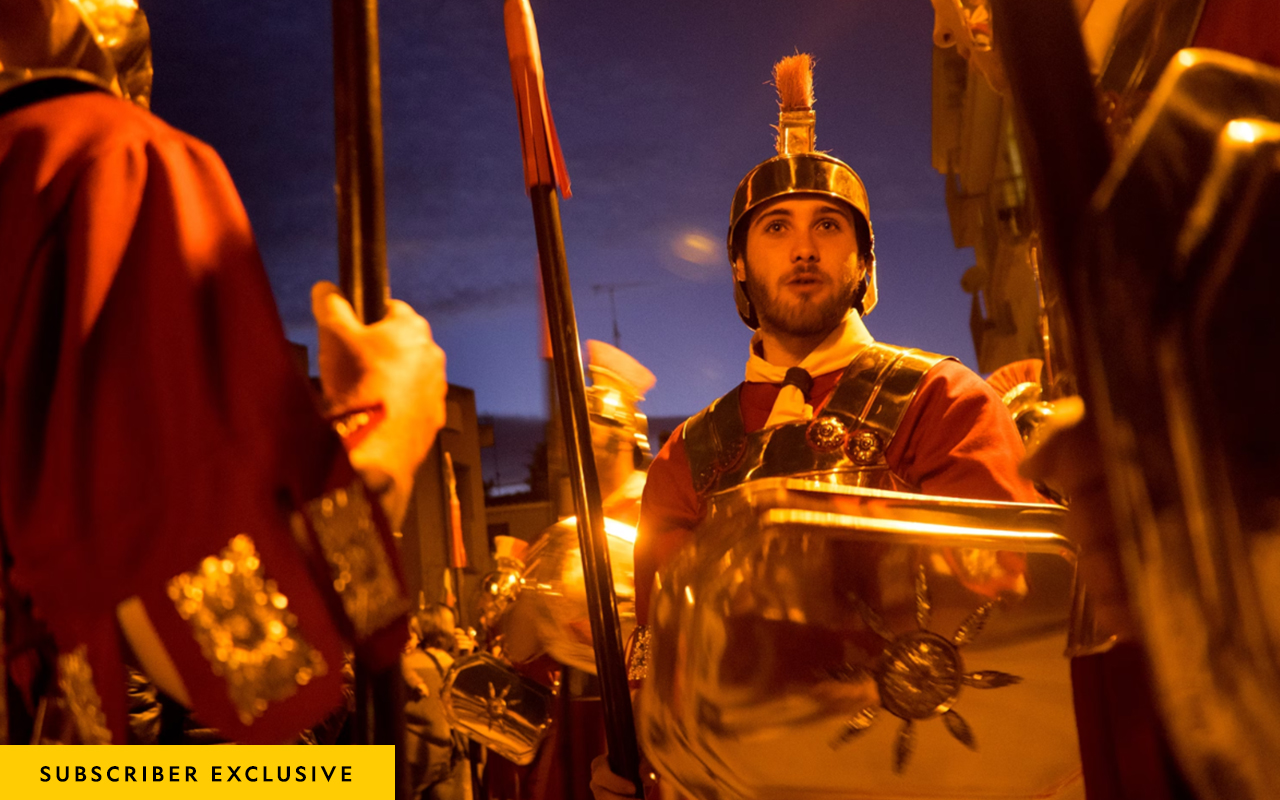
(106, 43)
(799, 169)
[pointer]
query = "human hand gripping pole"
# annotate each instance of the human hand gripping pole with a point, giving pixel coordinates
(544, 172)
(385, 384)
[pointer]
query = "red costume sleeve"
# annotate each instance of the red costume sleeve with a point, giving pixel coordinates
(957, 439)
(1250, 28)
(669, 511)
(150, 410)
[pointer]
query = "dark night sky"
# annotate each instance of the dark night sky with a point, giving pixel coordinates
(661, 107)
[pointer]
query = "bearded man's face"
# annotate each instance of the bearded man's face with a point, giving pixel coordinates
(802, 267)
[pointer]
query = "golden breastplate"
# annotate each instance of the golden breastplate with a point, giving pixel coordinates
(844, 443)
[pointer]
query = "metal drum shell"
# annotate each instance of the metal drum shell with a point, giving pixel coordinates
(493, 705)
(763, 658)
(553, 593)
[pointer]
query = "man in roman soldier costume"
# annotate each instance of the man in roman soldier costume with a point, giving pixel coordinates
(821, 395)
(166, 470)
(822, 399)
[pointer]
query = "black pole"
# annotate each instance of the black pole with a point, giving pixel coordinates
(624, 756)
(362, 271)
(357, 105)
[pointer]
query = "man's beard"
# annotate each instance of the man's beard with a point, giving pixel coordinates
(800, 317)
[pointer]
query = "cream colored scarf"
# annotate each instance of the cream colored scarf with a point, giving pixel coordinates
(835, 352)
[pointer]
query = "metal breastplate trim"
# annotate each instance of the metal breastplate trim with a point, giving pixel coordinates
(844, 443)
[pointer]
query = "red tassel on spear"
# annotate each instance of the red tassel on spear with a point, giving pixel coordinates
(544, 172)
(543, 159)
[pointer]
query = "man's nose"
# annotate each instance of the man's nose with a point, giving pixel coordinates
(803, 247)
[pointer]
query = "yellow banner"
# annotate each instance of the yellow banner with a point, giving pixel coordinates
(192, 772)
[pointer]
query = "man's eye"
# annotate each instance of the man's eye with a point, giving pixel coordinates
(829, 225)
(774, 227)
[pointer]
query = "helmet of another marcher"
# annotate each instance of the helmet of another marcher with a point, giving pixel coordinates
(104, 43)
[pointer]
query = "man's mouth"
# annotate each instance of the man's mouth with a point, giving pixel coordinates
(804, 281)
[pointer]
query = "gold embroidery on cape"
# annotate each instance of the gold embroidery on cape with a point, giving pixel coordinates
(75, 679)
(637, 655)
(245, 628)
(4, 707)
(360, 567)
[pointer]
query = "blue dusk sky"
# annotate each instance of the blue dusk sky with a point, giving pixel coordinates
(661, 107)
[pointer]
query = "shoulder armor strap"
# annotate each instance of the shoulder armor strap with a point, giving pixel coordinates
(877, 386)
(714, 439)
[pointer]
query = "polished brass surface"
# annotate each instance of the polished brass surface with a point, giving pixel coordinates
(826, 434)
(613, 400)
(1181, 272)
(106, 43)
(498, 591)
(1030, 411)
(919, 674)
(864, 448)
(553, 594)
(496, 707)
(245, 628)
(1149, 34)
(844, 443)
(831, 641)
(807, 173)
(796, 132)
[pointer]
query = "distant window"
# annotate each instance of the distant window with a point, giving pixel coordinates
(497, 529)
(453, 415)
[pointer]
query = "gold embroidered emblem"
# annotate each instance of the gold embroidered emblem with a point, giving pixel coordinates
(637, 655)
(360, 567)
(245, 628)
(75, 679)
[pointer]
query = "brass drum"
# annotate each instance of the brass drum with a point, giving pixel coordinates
(822, 641)
(489, 702)
(554, 595)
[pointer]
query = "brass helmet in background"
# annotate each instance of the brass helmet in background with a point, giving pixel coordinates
(104, 43)
(618, 386)
(801, 170)
(536, 601)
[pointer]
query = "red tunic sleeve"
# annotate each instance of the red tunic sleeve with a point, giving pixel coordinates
(958, 440)
(150, 412)
(669, 511)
